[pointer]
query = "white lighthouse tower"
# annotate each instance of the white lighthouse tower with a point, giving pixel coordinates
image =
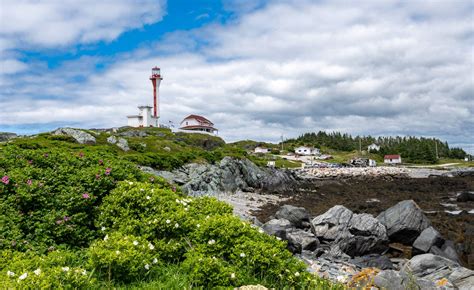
(145, 117)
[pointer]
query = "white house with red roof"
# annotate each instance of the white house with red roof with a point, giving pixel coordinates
(392, 159)
(197, 124)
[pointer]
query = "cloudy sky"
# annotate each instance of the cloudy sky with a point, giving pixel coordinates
(257, 69)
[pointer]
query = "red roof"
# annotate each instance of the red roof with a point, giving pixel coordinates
(199, 118)
(394, 156)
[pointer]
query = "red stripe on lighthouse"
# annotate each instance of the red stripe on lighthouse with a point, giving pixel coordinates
(153, 80)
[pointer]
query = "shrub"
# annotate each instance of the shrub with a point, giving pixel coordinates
(58, 269)
(51, 196)
(122, 257)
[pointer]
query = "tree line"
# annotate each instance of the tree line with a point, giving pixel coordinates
(412, 149)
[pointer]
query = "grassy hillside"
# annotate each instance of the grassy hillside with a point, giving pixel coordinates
(84, 216)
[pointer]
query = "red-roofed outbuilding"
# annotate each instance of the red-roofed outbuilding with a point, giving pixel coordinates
(392, 159)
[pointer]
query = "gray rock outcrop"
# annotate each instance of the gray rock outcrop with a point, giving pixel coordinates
(133, 133)
(355, 234)
(298, 216)
(5, 136)
(81, 137)
(435, 268)
(404, 222)
(120, 142)
(229, 175)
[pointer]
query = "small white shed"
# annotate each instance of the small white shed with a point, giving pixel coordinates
(306, 150)
(261, 150)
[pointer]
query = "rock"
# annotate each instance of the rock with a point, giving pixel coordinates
(120, 142)
(277, 227)
(390, 279)
(437, 268)
(404, 222)
(4, 136)
(168, 149)
(298, 216)
(355, 234)
(299, 240)
(81, 137)
(429, 237)
(373, 261)
(123, 144)
(133, 133)
(112, 140)
(232, 175)
(393, 280)
(465, 196)
(447, 250)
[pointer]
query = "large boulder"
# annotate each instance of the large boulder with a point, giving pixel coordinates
(277, 227)
(300, 240)
(437, 268)
(404, 222)
(81, 137)
(429, 237)
(5, 136)
(120, 142)
(298, 216)
(355, 234)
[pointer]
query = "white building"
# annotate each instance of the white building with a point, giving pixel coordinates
(392, 159)
(197, 124)
(261, 150)
(146, 117)
(373, 147)
(305, 150)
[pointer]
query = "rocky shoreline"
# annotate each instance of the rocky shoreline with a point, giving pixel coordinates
(360, 250)
(378, 236)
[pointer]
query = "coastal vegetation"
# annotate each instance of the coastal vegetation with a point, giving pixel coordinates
(85, 216)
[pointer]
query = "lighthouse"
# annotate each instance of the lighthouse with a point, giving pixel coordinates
(145, 117)
(156, 80)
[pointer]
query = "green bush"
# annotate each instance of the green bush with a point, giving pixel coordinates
(58, 269)
(122, 257)
(202, 232)
(51, 197)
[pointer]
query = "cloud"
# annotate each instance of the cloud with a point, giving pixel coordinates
(287, 67)
(55, 23)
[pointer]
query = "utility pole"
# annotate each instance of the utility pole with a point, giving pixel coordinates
(282, 142)
(360, 146)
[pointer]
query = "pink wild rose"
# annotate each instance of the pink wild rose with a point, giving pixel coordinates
(6, 179)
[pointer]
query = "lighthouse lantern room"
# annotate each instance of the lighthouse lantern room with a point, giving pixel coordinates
(145, 117)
